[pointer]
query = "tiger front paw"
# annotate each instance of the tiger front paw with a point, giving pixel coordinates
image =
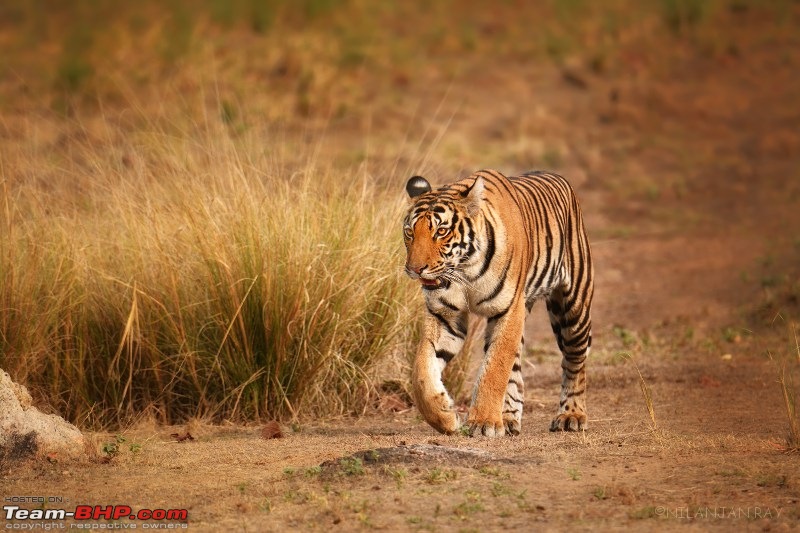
(488, 426)
(439, 412)
(575, 420)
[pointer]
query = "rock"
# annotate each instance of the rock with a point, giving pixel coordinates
(272, 430)
(26, 431)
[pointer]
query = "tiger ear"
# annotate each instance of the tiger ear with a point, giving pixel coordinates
(417, 185)
(474, 196)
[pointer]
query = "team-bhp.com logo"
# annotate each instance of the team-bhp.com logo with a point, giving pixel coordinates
(98, 512)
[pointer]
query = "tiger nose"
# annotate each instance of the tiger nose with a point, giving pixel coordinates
(415, 269)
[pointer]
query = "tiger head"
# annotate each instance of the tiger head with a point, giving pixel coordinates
(439, 230)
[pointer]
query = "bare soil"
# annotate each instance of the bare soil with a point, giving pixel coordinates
(690, 184)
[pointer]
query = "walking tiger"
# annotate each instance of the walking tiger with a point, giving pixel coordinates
(492, 245)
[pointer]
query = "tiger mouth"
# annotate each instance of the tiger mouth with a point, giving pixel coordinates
(436, 283)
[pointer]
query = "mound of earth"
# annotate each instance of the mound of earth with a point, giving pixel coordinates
(26, 431)
(415, 453)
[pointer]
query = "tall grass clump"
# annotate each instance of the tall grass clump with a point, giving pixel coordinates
(193, 274)
(786, 364)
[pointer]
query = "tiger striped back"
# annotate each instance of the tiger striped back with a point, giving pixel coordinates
(493, 245)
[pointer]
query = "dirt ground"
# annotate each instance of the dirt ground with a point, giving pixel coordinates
(690, 182)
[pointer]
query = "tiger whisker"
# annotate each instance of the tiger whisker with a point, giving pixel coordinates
(451, 274)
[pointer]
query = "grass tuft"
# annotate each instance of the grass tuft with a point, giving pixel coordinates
(647, 394)
(209, 282)
(788, 390)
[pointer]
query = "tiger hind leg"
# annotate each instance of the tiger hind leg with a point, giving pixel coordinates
(573, 330)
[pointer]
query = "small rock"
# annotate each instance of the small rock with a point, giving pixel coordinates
(271, 430)
(180, 438)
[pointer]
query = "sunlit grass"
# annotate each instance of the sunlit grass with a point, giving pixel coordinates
(192, 275)
(786, 365)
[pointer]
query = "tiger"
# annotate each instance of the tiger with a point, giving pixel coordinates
(493, 245)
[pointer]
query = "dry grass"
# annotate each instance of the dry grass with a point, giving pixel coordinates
(191, 275)
(786, 364)
(647, 393)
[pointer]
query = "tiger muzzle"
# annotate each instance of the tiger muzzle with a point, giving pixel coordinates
(417, 273)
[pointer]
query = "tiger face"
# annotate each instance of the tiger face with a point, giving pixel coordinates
(438, 232)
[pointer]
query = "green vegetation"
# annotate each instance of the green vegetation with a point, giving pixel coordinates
(574, 473)
(464, 509)
(643, 513)
(313, 471)
(399, 474)
(112, 449)
(439, 475)
(351, 466)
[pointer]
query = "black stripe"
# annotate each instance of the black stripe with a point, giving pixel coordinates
(575, 356)
(573, 373)
(499, 315)
(499, 285)
(445, 355)
(448, 304)
(489, 249)
(462, 328)
(530, 281)
(468, 231)
(570, 323)
(547, 267)
(446, 325)
(518, 400)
